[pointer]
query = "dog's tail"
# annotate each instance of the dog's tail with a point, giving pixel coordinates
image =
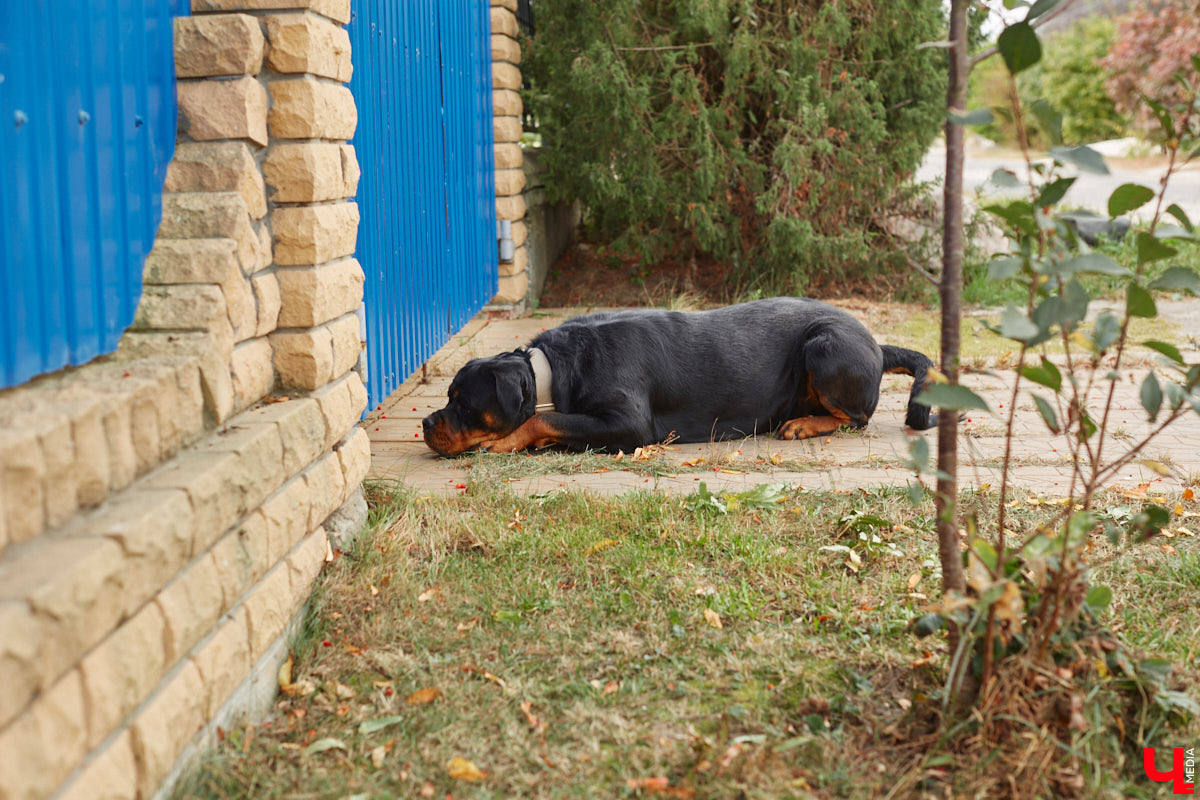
(910, 362)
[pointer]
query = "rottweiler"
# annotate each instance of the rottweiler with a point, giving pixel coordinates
(620, 379)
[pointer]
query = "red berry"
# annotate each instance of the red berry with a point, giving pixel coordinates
(327, 643)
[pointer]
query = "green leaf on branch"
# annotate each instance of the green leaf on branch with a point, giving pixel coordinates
(952, 397)
(1018, 214)
(1079, 526)
(1049, 120)
(1160, 113)
(1127, 197)
(1151, 396)
(1046, 375)
(1149, 249)
(980, 116)
(1176, 395)
(1087, 263)
(1098, 598)
(1053, 192)
(1047, 413)
(1003, 268)
(1174, 232)
(1087, 428)
(1178, 213)
(1041, 7)
(1149, 522)
(1106, 331)
(1004, 178)
(1015, 325)
(1177, 279)
(1167, 349)
(1019, 47)
(928, 624)
(1081, 156)
(1139, 302)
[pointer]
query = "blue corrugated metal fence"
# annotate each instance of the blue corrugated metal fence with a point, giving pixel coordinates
(427, 242)
(87, 126)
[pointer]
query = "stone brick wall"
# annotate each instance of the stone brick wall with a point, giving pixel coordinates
(510, 177)
(165, 509)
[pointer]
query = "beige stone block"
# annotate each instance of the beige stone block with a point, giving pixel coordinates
(346, 335)
(505, 48)
(109, 774)
(508, 155)
(509, 181)
(336, 402)
(224, 661)
(212, 354)
(268, 609)
(358, 394)
(212, 215)
(350, 170)
(180, 307)
(314, 295)
(259, 467)
(304, 108)
(210, 482)
(253, 372)
(217, 44)
(163, 728)
(143, 428)
(302, 42)
(511, 5)
(286, 516)
(507, 129)
(122, 671)
(189, 409)
(326, 488)
(265, 257)
(191, 605)
(22, 482)
(301, 429)
(205, 261)
(506, 102)
(21, 641)
(303, 358)
(506, 76)
(218, 167)
(167, 402)
(154, 529)
(62, 482)
(76, 590)
(520, 232)
(517, 265)
(3, 525)
(504, 21)
(513, 288)
(307, 172)
(354, 454)
(268, 302)
(334, 9)
(44, 744)
(511, 208)
(304, 564)
(314, 234)
(235, 109)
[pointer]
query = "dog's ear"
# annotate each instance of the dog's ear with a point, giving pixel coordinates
(514, 390)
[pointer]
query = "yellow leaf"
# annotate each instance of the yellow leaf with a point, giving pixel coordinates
(712, 618)
(1188, 494)
(428, 594)
(1010, 606)
(1166, 548)
(1154, 466)
(695, 462)
(285, 673)
(1184, 532)
(601, 546)
(461, 769)
(423, 696)
(1178, 508)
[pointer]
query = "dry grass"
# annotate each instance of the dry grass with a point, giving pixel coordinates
(567, 647)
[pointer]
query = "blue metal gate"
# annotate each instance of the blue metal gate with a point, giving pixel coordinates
(427, 242)
(87, 126)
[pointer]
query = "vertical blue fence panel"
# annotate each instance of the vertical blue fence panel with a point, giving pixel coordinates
(87, 127)
(427, 242)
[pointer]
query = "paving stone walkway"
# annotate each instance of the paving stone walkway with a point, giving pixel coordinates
(843, 461)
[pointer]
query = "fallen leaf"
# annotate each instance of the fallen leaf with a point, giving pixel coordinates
(610, 688)
(712, 618)
(423, 696)
(695, 462)
(427, 790)
(428, 594)
(1011, 607)
(925, 661)
(1178, 508)
(378, 754)
(374, 591)
(776, 458)
(913, 581)
(321, 745)
(601, 546)
(1166, 548)
(344, 692)
(369, 726)
(537, 724)
(1188, 494)
(285, 674)
(461, 769)
(328, 552)
(466, 626)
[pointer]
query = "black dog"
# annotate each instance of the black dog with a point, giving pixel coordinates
(622, 379)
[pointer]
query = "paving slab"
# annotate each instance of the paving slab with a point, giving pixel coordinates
(843, 461)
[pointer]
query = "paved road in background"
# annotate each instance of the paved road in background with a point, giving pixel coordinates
(1089, 191)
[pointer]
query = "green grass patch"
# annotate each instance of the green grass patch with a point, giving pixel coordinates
(575, 646)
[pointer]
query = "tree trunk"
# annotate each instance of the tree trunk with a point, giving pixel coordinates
(951, 294)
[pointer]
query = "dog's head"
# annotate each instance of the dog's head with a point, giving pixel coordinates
(489, 399)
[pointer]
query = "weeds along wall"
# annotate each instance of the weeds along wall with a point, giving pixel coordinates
(165, 509)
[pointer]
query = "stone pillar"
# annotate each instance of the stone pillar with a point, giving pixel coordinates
(510, 177)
